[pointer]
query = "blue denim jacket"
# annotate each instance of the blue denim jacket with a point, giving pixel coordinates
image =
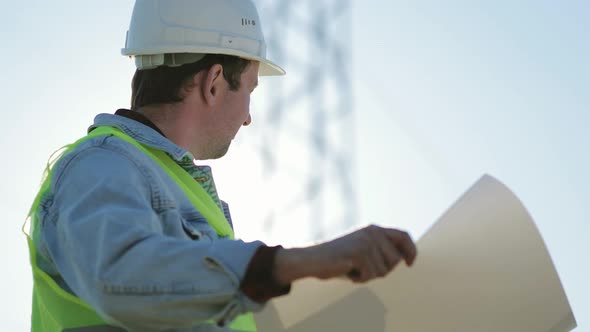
(120, 234)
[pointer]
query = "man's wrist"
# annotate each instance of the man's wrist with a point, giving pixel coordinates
(291, 264)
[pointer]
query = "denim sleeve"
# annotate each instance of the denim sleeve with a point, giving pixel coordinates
(108, 244)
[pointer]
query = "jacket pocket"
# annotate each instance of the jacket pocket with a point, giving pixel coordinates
(196, 226)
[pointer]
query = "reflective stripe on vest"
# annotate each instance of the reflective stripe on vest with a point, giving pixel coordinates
(55, 310)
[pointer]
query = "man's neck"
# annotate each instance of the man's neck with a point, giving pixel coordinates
(177, 124)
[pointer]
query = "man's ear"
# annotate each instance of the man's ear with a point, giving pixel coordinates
(213, 84)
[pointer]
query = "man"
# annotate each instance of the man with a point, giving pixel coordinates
(128, 234)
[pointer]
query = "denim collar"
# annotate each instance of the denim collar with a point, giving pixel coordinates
(142, 134)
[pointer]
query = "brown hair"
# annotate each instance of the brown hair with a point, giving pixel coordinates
(163, 85)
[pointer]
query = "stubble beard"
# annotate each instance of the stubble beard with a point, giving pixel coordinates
(220, 151)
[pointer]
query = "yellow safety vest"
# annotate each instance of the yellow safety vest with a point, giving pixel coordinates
(55, 310)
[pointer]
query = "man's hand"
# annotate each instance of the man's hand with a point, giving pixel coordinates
(363, 255)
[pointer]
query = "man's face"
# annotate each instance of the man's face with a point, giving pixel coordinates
(234, 111)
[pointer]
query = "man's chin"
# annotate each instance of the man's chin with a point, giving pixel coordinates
(220, 153)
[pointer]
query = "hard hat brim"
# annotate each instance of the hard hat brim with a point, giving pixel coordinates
(267, 67)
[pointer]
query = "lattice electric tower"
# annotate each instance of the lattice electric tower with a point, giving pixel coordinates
(306, 128)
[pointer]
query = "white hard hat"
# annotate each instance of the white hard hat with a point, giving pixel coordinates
(175, 32)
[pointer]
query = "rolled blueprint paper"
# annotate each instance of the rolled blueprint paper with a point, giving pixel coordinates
(482, 266)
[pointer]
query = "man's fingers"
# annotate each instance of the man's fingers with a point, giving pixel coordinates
(390, 254)
(369, 253)
(378, 261)
(403, 242)
(354, 274)
(369, 263)
(363, 271)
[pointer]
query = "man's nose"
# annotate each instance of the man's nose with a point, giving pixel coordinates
(248, 120)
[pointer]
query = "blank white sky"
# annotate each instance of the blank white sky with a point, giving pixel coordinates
(444, 92)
